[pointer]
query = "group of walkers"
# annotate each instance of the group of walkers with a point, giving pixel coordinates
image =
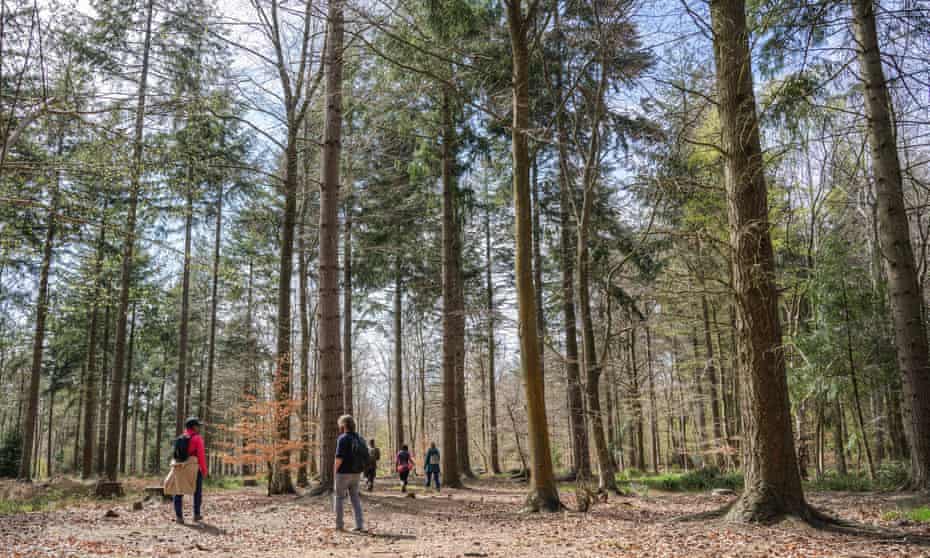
(354, 459)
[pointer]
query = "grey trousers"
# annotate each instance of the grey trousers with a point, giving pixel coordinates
(347, 484)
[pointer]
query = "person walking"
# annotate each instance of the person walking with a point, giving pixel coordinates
(374, 455)
(404, 463)
(431, 465)
(351, 460)
(188, 469)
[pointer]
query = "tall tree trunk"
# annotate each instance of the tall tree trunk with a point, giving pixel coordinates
(104, 384)
(160, 421)
(38, 340)
(90, 386)
(331, 385)
(710, 370)
(214, 302)
(543, 494)
(772, 482)
(854, 379)
(51, 430)
(699, 409)
(653, 409)
(145, 469)
(397, 380)
(592, 367)
(280, 481)
(450, 459)
(347, 371)
(492, 344)
(537, 267)
(637, 406)
(461, 414)
(133, 451)
(124, 426)
(894, 232)
(305, 332)
(75, 458)
(581, 460)
(184, 329)
(114, 418)
(839, 439)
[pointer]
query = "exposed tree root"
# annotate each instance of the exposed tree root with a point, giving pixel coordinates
(320, 490)
(811, 517)
(536, 503)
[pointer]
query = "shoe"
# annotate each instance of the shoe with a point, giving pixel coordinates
(359, 530)
(198, 518)
(340, 529)
(179, 520)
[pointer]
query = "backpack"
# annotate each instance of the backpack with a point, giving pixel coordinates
(181, 445)
(360, 455)
(403, 461)
(374, 454)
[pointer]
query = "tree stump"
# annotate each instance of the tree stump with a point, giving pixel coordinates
(108, 489)
(155, 492)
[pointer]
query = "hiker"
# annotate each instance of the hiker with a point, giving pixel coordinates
(188, 469)
(404, 464)
(374, 455)
(431, 465)
(351, 459)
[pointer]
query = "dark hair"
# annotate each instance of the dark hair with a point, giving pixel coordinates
(403, 447)
(372, 441)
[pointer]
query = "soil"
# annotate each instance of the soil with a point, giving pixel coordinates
(481, 521)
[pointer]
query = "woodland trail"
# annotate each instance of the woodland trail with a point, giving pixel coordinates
(482, 521)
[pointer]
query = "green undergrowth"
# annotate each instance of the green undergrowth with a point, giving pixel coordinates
(889, 476)
(223, 483)
(918, 515)
(709, 478)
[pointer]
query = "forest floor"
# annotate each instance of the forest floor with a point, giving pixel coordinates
(481, 521)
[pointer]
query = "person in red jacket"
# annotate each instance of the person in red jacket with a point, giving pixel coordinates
(195, 448)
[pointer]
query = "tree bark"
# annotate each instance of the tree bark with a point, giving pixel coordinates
(331, 385)
(637, 406)
(184, 329)
(214, 302)
(581, 460)
(450, 459)
(104, 384)
(160, 421)
(543, 494)
(894, 233)
(653, 409)
(347, 400)
(710, 370)
(119, 358)
(398, 383)
(772, 482)
(124, 426)
(305, 331)
(38, 340)
(492, 345)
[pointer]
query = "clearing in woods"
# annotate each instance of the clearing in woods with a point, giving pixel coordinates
(479, 521)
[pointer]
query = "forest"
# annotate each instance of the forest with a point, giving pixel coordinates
(629, 261)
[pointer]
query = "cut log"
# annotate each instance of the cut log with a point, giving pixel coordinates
(108, 489)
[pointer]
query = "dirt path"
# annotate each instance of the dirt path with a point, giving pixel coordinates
(481, 521)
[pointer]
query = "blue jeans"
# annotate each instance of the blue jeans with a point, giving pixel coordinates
(432, 475)
(198, 498)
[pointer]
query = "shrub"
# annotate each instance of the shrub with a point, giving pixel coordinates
(707, 478)
(919, 515)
